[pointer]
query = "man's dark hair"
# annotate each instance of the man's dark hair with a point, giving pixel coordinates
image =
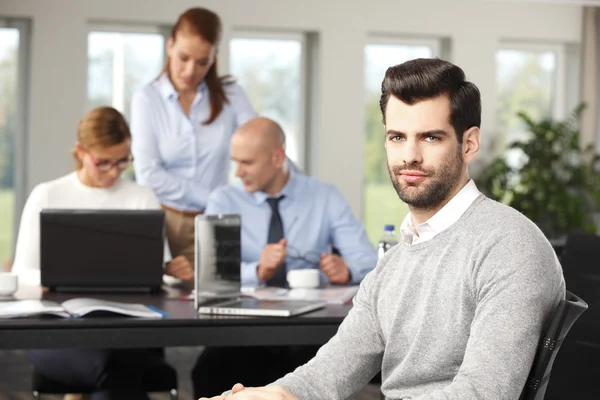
(426, 78)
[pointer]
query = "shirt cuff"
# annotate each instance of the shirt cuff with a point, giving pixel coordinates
(29, 278)
(355, 277)
(249, 274)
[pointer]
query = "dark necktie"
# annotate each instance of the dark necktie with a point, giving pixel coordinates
(275, 235)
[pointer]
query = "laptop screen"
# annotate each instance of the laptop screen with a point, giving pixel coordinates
(101, 248)
(218, 255)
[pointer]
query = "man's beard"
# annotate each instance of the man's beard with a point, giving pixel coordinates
(436, 187)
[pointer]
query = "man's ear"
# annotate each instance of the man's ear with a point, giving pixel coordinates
(279, 157)
(470, 145)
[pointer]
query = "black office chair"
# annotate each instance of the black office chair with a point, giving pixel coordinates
(576, 369)
(159, 376)
(564, 317)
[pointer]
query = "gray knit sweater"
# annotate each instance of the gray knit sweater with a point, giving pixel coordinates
(457, 317)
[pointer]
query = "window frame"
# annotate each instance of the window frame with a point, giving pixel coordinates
(438, 49)
(559, 93)
(302, 142)
(99, 26)
(21, 140)
(380, 39)
(121, 28)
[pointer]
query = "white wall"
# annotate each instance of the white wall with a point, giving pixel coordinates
(59, 59)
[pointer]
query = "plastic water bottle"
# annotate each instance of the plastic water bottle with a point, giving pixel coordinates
(388, 240)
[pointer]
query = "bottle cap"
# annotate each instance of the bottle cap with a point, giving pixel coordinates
(388, 228)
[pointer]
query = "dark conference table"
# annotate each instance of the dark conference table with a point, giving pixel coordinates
(182, 327)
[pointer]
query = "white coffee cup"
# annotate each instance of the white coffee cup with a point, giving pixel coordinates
(9, 283)
(303, 278)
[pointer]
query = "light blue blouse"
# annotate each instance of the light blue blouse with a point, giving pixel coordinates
(179, 157)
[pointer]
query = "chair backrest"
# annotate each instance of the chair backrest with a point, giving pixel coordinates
(581, 253)
(564, 317)
(577, 362)
(579, 261)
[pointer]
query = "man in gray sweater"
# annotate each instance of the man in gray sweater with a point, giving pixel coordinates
(455, 310)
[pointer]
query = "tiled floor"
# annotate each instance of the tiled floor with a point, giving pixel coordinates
(15, 376)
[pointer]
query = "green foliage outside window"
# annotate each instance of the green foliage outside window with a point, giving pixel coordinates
(556, 183)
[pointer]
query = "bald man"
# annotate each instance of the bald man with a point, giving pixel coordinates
(289, 221)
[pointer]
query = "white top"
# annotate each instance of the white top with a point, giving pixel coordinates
(68, 192)
(443, 219)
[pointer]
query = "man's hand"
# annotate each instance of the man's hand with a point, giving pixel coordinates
(238, 387)
(271, 258)
(263, 393)
(335, 268)
(239, 392)
(180, 268)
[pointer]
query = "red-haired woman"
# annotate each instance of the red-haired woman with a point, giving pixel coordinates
(182, 123)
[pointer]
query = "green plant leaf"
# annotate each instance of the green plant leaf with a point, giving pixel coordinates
(558, 184)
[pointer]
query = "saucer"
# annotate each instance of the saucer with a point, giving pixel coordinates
(7, 297)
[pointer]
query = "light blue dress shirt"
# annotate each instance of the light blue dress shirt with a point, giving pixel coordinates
(315, 217)
(178, 157)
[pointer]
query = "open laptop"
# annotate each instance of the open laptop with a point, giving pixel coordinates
(256, 307)
(217, 273)
(102, 250)
(218, 254)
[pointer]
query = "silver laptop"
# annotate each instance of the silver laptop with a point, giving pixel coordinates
(217, 273)
(255, 307)
(217, 257)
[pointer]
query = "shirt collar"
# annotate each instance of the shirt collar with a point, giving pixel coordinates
(445, 217)
(166, 88)
(288, 190)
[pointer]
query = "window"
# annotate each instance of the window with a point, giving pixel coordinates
(529, 78)
(381, 203)
(13, 78)
(271, 69)
(119, 62)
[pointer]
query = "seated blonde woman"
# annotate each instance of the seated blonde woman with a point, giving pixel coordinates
(102, 153)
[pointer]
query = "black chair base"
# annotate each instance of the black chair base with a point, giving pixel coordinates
(158, 377)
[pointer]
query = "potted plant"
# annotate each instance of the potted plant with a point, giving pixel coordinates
(555, 183)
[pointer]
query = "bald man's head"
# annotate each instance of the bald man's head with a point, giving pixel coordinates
(258, 149)
(261, 132)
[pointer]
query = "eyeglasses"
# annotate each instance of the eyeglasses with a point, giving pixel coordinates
(312, 257)
(105, 165)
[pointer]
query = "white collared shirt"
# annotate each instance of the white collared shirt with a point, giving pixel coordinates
(443, 219)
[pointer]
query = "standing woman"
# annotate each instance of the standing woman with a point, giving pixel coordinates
(182, 124)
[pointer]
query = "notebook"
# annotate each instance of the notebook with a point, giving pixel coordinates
(256, 307)
(77, 307)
